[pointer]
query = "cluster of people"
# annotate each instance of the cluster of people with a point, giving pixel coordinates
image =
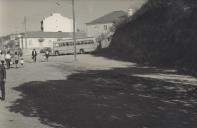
(9, 59)
(34, 55)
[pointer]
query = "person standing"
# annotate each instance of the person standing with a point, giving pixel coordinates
(47, 55)
(22, 61)
(34, 55)
(16, 58)
(8, 59)
(2, 58)
(2, 81)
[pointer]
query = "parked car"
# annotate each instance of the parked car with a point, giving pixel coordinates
(43, 50)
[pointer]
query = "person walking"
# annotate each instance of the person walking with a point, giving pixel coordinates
(8, 59)
(47, 55)
(2, 58)
(2, 81)
(34, 55)
(22, 62)
(16, 58)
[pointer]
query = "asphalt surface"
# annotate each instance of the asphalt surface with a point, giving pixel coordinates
(96, 92)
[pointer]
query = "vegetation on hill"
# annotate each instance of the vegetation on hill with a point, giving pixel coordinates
(162, 33)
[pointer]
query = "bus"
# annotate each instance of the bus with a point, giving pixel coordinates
(85, 45)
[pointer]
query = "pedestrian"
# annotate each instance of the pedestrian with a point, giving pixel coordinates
(22, 62)
(2, 81)
(8, 59)
(47, 55)
(34, 55)
(16, 58)
(2, 58)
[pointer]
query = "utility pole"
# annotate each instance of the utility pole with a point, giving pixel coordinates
(74, 36)
(25, 25)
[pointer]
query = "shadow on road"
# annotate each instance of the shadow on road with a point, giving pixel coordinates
(108, 99)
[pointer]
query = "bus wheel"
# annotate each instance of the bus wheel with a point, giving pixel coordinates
(81, 51)
(56, 53)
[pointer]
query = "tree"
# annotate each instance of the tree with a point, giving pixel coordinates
(11, 44)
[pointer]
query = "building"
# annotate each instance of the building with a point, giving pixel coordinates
(130, 12)
(54, 28)
(102, 25)
(57, 23)
(39, 40)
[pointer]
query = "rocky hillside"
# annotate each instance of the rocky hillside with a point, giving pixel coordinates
(162, 32)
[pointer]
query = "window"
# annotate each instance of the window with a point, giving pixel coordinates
(78, 43)
(30, 42)
(56, 45)
(41, 44)
(105, 27)
(70, 43)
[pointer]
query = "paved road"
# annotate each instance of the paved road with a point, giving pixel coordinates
(96, 92)
(42, 71)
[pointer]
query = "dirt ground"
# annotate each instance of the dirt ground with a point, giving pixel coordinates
(96, 92)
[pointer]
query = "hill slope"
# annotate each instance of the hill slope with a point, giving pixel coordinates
(162, 32)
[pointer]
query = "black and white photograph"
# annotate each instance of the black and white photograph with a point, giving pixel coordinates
(98, 63)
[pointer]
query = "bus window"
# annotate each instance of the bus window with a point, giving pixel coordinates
(89, 41)
(67, 43)
(64, 44)
(78, 43)
(70, 43)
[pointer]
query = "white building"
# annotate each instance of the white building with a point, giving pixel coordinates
(54, 28)
(57, 23)
(130, 12)
(39, 40)
(103, 24)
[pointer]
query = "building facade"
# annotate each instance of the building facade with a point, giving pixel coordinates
(102, 25)
(57, 23)
(39, 40)
(95, 30)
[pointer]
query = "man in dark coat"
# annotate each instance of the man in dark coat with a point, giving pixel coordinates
(34, 55)
(2, 81)
(47, 55)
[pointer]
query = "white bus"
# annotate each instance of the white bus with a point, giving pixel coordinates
(84, 45)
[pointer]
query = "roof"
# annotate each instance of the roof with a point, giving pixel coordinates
(56, 14)
(40, 34)
(109, 18)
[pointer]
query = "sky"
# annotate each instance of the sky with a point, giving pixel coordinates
(12, 12)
